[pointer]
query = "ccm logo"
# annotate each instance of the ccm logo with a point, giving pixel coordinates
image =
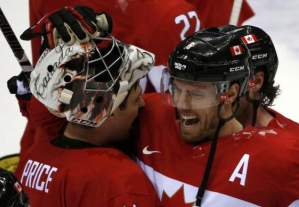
(83, 122)
(180, 66)
(190, 45)
(259, 56)
(236, 69)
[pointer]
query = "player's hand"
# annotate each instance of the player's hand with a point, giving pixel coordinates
(19, 85)
(70, 24)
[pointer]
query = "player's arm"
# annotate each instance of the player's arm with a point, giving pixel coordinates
(68, 23)
(245, 13)
(35, 14)
(51, 125)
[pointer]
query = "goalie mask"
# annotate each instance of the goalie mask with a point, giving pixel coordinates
(86, 82)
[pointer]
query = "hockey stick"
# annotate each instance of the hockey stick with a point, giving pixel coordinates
(14, 44)
(236, 10)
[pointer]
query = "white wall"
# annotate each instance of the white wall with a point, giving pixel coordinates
(280, 20)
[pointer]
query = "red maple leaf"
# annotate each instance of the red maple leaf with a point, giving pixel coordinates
(237, 49)
(176, 200)
(249, 39)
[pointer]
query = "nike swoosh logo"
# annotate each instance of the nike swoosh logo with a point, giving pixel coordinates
(148, 152)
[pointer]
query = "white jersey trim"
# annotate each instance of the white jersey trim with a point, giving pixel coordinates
(170, 186)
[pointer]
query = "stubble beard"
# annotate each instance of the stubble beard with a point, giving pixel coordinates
(206, 131)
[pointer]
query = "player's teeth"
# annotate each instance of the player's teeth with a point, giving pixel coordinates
(188, 117)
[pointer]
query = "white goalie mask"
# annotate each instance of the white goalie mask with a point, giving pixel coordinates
(80, 82)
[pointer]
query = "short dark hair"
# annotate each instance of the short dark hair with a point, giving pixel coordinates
(123, 105)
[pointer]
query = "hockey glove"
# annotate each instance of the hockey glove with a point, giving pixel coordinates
(69, 24)
(19, 84)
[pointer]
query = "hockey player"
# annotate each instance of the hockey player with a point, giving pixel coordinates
(133, 26)
(195, 151)
(262, 95)
(52, 27)
(175, 153)
(95, 86)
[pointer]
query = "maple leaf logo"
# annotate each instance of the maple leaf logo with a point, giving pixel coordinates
(249, 39)
(236, 50)
(176, 200)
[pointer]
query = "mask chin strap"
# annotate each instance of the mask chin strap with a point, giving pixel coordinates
(121, 95)
(255, 105)
(204, 182)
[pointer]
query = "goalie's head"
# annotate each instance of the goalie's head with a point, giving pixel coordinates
(86, 82)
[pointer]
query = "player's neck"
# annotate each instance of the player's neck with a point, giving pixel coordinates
(230, 127)
(263, 117)
(90, 135)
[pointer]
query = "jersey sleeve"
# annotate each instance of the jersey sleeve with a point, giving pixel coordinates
(35, 14)
(41, 125)
(48, 125)
(217, 13)
(246, 13)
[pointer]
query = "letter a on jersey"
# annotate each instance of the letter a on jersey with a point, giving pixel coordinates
(242, 175)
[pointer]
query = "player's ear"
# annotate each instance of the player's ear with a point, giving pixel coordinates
(232, 94)
(259, 81)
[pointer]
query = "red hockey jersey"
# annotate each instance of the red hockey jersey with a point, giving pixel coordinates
(95, 176)
(41, 125)
(255, 167)
(283, 122)
(214, 13)
(154, 25)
